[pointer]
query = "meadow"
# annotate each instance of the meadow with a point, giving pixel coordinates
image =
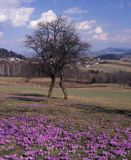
(93, 124)
(112, 66)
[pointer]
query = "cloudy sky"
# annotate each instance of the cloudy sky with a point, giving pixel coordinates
(103, 23)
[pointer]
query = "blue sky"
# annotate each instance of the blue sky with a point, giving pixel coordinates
(103, 23)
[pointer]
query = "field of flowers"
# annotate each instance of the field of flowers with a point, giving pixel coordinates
(36, 138)
(94, 124)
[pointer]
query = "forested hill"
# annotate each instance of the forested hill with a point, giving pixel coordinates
(4, 53)
(114, 56)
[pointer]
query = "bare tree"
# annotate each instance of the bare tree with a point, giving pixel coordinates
(58, 45)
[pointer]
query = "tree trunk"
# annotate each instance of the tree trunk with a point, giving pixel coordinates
(63, 88)
(51, 87)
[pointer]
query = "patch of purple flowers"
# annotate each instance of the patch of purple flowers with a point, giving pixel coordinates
(34, 138)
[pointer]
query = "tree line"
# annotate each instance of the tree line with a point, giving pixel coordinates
(29, 69)
(4, 53)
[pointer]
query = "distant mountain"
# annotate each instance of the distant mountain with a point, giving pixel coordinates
(4, 53)
(109, 56)
(111, 50)
(115, 56)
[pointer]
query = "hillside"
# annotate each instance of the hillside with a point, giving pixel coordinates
(115, 56)
(4, 53)
(111, 53)
(109, 66)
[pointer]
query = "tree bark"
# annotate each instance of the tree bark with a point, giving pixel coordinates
(51, 87)
(63, 88)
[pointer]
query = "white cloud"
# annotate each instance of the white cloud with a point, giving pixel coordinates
(122, 36)
(11, 11)
(85, 25)
(20, 16)
(13, 3)
(98, 30)
(90, 29)
(87, 28)
(99, 34)
(75, 10)
(28, 1)
(45, 17)
(3, 17)
(102, 36)
(9, 3)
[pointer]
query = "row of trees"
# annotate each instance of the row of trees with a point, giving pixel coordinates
(30, 69)
(4, 53)
(91, 76)
(14, 69)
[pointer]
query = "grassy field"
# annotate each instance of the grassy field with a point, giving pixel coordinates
(112, 66)
(100, 107)
(110, 96)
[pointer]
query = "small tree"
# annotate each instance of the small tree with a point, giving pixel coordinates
(57, 44)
